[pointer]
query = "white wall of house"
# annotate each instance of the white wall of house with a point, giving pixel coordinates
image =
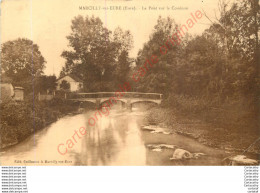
(18, 93)
(74, 85)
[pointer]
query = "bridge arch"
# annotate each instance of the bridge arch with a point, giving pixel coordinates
(86, 104)
(112, 99)
(94, 101)
(144, 102)
(133, 101)
(111, 103)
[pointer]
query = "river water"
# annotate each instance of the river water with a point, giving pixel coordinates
(117, 139)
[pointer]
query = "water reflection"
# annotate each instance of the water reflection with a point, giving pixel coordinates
(115, 140)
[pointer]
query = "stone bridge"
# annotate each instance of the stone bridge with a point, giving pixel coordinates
(127, 98)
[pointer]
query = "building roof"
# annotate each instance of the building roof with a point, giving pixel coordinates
(76, 78)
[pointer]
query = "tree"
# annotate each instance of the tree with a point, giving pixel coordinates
(236, 34)
(94, 52)
(21, 61)
(123, 67)
(203, 68)
(123, 40)
(161, 76)
(45, 83)
(65, 85)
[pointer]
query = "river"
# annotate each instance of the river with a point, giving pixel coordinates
(117, 139)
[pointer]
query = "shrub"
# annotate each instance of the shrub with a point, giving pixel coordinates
(20, 119)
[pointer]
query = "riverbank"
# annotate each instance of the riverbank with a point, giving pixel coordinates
(21, 119)
(227, 138)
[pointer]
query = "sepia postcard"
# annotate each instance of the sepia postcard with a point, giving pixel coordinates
(130, 83)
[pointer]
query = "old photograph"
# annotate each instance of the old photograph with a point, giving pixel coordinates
(130, 83)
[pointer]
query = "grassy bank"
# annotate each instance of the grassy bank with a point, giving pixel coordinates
(229, 126)
(20, 119)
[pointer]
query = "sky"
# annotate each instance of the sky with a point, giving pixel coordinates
(47, 22)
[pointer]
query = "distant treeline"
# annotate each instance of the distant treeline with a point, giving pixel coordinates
(215, 75)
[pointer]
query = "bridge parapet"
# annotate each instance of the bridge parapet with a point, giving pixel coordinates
(113, 94)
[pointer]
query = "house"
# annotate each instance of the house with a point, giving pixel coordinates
(69, 82)
(18, 93)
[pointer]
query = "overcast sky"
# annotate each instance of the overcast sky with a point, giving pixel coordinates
(47, 22)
